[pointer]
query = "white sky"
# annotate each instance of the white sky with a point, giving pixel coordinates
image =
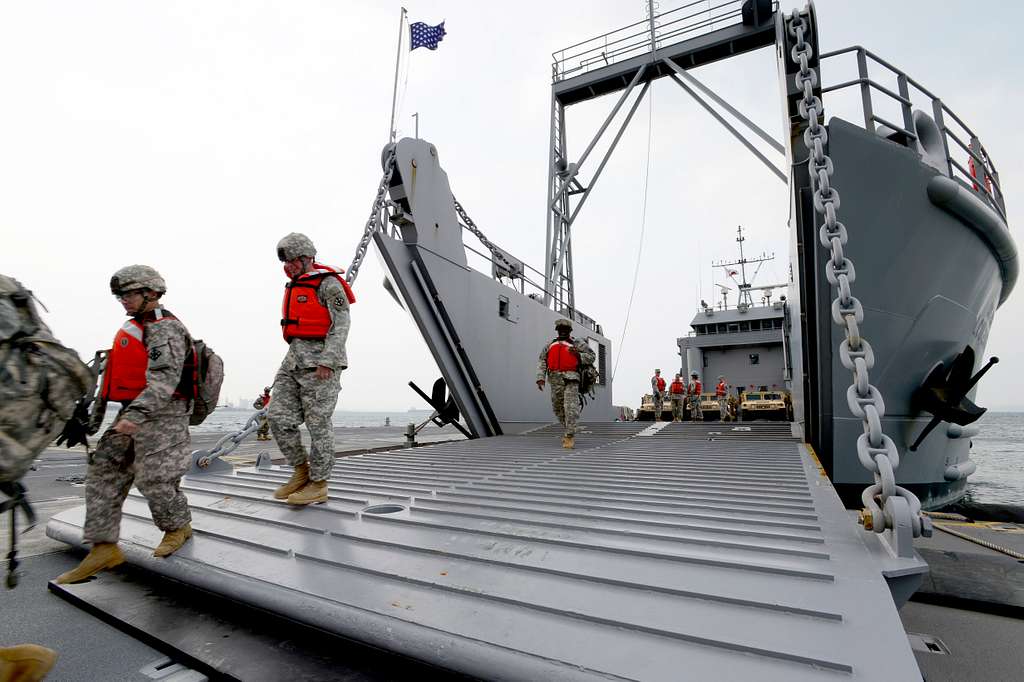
(193, 135)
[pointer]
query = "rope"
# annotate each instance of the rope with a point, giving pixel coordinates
(979, 541)
(643, 227)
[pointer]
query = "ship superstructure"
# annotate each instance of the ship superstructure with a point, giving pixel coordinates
(747, 342)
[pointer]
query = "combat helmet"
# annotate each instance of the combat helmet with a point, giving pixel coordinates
(293, 245)
(562, 323)
(132, 277)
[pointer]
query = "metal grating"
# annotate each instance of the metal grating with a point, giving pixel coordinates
(663, 557)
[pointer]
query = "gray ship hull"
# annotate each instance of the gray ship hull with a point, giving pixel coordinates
(930, 282)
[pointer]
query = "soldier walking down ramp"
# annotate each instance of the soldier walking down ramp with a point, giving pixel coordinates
(560, 363)
(658, 394)
(677, 393)
(148, 444)
(264, 431)
(315, 323)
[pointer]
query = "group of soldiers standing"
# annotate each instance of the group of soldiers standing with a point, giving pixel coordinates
(148, 443)
(683, 396)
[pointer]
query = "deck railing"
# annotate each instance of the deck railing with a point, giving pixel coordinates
(961, 148)
(681, 23)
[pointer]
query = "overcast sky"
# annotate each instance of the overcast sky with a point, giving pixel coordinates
(193, 135)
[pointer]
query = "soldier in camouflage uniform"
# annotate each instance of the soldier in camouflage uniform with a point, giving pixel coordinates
(558, 363)
(658, 394)
(306, 388)
(148, 444)
(264, 431)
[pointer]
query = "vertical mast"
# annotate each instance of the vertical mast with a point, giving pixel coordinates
(394, 89)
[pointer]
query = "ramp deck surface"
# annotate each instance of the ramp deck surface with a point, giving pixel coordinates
(652, 551)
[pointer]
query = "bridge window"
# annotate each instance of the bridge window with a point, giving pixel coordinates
(503, 306)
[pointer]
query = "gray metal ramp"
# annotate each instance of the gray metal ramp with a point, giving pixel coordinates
(655, 557)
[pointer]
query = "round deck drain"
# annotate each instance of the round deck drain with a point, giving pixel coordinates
(383, 509)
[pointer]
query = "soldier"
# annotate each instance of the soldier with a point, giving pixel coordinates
(677, 393)
(720, 392)
(148, 444)
(560, 363)
(695, 390)
(264, 431)
(315, 326)
(658, 394)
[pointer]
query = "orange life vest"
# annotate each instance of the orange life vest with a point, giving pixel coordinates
(561, 357)
(661, 384)
(265, 399)
(695, 387)
(302, 314)
(974, 174)
(720, 389)
(124, 377)
(677, 387)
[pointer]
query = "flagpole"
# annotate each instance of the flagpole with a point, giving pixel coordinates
(394, 90)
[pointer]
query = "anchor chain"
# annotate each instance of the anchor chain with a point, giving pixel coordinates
(373, 223)
(472, 227)
(876, 451)
(227, 444)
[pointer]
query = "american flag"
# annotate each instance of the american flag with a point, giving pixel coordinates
(422, 35)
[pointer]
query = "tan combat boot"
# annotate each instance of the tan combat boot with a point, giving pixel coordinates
(297, 482)
(102, 555)
(173, 540)
(314, 492)
(569, 442)
(25, 663)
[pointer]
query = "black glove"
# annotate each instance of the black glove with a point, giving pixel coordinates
(76, 428)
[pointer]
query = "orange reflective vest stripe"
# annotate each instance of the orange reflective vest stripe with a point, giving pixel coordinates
(302, 314)
(561, 357)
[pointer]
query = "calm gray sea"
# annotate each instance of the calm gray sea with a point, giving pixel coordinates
(998, 450)
(999, 453)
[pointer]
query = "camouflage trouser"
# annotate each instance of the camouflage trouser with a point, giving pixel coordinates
(565, 401)
(155, 459)
(695, 411)
(659, 405)
(300, 397)
(723, 408)
(677, 408)
(264, 427)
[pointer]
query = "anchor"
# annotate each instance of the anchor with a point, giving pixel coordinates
(445, 409)
(944, 391)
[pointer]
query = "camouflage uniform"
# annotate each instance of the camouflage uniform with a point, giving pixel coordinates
(658, 397)
(678, 400)
(300, 397)
(157, 455)
(565, 386)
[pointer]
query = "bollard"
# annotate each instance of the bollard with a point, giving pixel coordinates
(410, 435)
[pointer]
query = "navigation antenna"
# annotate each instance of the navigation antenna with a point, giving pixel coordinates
(744, 287)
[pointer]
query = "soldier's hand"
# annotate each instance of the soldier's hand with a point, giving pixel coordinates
(126, 427)
(324, 372)
(540, 384)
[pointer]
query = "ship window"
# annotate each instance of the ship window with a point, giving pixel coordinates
(503, 306)
(600, 364)
(755, 358)
(744, 326)
(733, 328)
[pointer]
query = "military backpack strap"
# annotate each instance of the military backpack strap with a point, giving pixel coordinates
(16, 500)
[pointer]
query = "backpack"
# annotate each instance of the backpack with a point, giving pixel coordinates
(204, 369)
(41, 381)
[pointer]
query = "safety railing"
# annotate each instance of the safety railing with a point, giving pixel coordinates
(685, 22)
(966, 159)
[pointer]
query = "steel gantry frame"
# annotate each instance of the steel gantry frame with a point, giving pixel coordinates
(698, 42)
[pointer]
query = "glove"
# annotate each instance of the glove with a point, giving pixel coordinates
(76, 428)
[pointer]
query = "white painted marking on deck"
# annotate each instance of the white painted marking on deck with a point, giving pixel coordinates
(653, 428)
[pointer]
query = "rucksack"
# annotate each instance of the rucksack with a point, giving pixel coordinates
(41, 381)
(589, 376)
(206, 370)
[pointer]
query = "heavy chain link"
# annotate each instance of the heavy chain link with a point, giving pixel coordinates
(373, 223)
(876, 451)
(227, 444)
(472, 227)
